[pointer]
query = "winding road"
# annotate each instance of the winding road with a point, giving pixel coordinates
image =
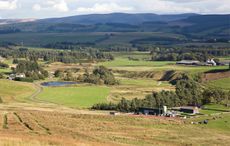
(35, 94)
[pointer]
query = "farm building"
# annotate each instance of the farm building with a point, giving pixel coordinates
(114, 113)
(189, 109)
(211, 62)
(188, 62)
(13, 76)
(150, 111)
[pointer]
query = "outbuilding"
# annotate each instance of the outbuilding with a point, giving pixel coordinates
(189, 109)
(189, 62)
(150, 111)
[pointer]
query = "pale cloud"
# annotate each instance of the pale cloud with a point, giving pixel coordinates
(8, 4)
(61, 8)
(57, 5)
(104, 8)
(36, 7)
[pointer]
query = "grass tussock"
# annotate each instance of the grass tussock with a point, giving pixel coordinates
(5, 122)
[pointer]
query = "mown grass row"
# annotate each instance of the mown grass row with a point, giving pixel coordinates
(22, 122)
(47, 130)
(5, 122)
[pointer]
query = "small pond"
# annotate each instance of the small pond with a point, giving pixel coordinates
(57, 84)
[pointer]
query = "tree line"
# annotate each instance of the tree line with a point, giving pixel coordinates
(56, 55)
(31, 69)
(188, 92)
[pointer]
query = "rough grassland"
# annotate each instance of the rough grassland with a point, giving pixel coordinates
(143, 82)
(221, 83)
(92, 130)
(11, 90)
(75, 96)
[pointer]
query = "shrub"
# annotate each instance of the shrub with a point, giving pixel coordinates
(100, 75)
(3, 65)
(1, 76)
(30, 80)
(104, 106)
(1, 101)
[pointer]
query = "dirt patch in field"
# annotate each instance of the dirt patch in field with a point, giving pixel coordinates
(216, 76)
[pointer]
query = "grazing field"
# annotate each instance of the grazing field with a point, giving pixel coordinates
(219, 122)
(130, 65)
(83, 97)
(64, 128)
(213, 109)
(11, 90)
(124, 62)
(221, 83)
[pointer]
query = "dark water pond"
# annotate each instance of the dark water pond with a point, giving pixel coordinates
(57, 84)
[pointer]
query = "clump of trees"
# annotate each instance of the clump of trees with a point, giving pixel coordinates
(217, 96)
(1, 76)
(3, 65)
(100, 75)
(66, 56)
(31, 69)
(188, 92)
(67, 75)
(179, 56)
(176, 54)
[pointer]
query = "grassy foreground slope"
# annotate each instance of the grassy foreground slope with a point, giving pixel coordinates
(75, 96)
(11, 90)
(104, 130)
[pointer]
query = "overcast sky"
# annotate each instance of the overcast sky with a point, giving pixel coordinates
(60, 8)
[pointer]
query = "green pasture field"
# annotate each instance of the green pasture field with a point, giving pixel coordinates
(220, 122)
(221, 83)
(80, 97)
(5, 70)
(214, 108)
(126, 64)
(12, 90)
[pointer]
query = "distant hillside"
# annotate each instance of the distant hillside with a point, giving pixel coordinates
(133, 19)
(208, 24)
(190, 25)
